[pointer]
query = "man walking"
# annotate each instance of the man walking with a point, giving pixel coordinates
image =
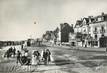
(18, 56)
(14, 51)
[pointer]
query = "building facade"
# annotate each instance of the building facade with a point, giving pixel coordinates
(65, 30)
(98, 30)
(92, 31)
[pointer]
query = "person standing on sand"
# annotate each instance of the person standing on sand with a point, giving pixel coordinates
(34, 58)
(14, 51)
(38, 57)
(48, 53)
(18, 56)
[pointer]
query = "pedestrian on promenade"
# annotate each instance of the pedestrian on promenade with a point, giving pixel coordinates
(43, 54)
(6, 54)
(18, 56)
(26, 53)
(25, 58)
(14, 51)
(34, 58)
(10, 51)
(46, 56)
(22, 47)
(38, 57)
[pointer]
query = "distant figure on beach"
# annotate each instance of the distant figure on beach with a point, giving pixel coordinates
(35, 58)
(48, 53)
(9, 53)
(14, 51)
(22, 47)
(18, 56)
(46, 56)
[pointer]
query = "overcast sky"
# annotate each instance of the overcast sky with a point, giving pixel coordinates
(17, 17)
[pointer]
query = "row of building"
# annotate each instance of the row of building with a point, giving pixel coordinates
(88, 32)
(9, 43)
(93, 31)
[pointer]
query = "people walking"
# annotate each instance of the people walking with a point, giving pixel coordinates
(22, 47)
(10, 51)
(36, 58)
(18, 56)
(48, 59)
(46, 56)
(14, 51)
(33, 59)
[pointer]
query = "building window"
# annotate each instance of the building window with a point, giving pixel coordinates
(95, 30)
(102, 35)
(96, 36)
(96, 43)
(102, 31)
(102, 27)
(89, 29)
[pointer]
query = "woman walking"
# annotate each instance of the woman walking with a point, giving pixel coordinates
(48, 59)
(46, 56)
(35, 58)
(18, 56)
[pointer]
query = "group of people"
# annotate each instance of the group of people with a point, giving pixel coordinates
(11, 52)
(25, 57)
(45, 57)
(36, 57)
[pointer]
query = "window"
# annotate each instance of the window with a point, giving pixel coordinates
(95, 29)
(102, 31)
(102, 27)
(96, 43)
(89, 29)
(99, 19)
(96, 37)
(102, 35)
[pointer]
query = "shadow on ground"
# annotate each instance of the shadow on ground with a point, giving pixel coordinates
(63, 62)
(99, 57)
(90, 64)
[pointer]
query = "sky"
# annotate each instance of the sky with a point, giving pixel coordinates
(17, 17)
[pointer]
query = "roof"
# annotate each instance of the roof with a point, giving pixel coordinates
(78, 23)
(95, 19)
(87, 20)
